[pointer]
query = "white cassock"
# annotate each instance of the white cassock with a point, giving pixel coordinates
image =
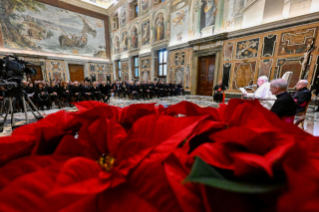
(263, 92)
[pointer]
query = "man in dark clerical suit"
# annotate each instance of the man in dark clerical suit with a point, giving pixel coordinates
(302, 96)
(285, 105)
(219, 92)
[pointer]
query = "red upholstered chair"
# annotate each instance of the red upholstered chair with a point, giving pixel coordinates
(288, 119)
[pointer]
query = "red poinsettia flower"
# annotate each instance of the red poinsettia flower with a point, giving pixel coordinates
(100, 157)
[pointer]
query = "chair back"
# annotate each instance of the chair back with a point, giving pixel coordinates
(287, 76)
(288, 119)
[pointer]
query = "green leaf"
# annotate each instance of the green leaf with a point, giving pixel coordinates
(205, 174)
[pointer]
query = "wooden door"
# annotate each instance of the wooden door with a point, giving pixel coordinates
(206, 69)
(38, 76)
(76, 73)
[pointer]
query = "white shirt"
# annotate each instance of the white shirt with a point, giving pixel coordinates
(263, 92)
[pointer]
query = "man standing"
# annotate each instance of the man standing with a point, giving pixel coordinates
(302, 96)
(219, 92)
(285, 105)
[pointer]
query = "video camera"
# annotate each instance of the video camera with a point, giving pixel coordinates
(12, 70)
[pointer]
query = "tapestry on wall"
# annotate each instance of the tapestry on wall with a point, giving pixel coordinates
(40, 27)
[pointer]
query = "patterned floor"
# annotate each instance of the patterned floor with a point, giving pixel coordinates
(311, 123)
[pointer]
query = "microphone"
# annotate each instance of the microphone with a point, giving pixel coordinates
(250, 86)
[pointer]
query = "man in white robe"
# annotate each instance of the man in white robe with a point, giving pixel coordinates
(263, 92)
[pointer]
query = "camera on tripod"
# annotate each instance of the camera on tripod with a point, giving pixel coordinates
(11, 73)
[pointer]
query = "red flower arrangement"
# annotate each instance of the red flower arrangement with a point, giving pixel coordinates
(143, 157)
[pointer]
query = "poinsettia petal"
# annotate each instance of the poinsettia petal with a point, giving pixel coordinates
(187, 194)
(84, 176)
(13, 147)
(150, 132)
(215, 154)
(191, 109)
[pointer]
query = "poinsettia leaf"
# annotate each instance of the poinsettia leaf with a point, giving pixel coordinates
(205, 174)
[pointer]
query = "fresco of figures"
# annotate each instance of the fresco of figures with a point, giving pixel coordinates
(159, 27)
(185, 20)
(146, 32)
(35, 26)
(134, 37)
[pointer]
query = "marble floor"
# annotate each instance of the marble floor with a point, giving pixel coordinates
(311, 124)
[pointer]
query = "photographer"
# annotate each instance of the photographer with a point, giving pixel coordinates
(42, 97)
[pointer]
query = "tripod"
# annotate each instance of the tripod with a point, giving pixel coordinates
(10, 102)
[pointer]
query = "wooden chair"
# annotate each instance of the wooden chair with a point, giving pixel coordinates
(302, 116)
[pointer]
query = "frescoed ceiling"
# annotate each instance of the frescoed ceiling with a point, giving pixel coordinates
(102, 3)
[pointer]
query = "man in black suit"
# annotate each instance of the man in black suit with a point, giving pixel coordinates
(285, 105)
(302, 96)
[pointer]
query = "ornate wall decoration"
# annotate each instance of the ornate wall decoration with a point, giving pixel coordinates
(188, 77)
(226, 74)
(171, 76)
(146, 76)
(269, 45)
(179, 26)
(180, 63)
(296, 42)
(247, 49)
(100, 68)
(116, 44)
(145, 62)
(179, 75)
(123, 15)
(125, 41)
(265, 68)
(144, 6)
(159, 27)
(55, 70)
(134, 37)
(92, 67)
(145, 32)
(228, 51)
(292, 64)
(180, 58)
(243, 74)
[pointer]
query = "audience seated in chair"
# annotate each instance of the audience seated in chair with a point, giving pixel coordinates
(285, 105)
(302, 96)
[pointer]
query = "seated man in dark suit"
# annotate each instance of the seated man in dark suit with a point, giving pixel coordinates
(302, 96)
(285, 105)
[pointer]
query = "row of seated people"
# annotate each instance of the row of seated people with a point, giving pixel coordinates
(146, 90)
(274, 96)
(63, 93)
